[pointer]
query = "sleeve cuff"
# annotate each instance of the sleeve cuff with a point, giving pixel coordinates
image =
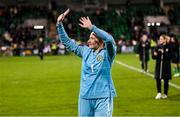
(58, 24)
(92, 27)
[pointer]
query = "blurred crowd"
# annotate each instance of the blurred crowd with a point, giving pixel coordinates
(124, 23)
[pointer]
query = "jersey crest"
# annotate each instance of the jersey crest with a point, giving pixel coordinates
(99, 58)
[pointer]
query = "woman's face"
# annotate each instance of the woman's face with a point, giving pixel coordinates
(144, 38)
(162, 40)
(93, 42)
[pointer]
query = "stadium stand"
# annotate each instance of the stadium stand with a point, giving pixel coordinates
(121, 21)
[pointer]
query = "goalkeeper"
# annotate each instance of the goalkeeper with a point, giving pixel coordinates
(96, 85)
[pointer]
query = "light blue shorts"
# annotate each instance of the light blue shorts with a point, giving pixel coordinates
(95, 107)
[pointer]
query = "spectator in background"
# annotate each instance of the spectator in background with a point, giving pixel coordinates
(62, 49)
(143, 50)
(54, 48)
(153, 44)
(175, 55)
(162, 55)
(120, 44)
(41, 48)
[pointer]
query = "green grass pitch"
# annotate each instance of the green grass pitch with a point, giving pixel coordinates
(29, 86)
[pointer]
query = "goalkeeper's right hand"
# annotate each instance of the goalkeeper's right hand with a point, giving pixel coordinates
(62, 16)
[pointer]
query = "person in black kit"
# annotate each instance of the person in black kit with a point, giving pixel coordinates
(41, 48)
(162, 55)
(143, 50)
(175, 55)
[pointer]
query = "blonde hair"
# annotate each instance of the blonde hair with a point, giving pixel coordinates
(166, 37)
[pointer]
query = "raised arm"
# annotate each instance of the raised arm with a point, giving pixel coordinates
(107, 38)
(64, 38)
(86, 23)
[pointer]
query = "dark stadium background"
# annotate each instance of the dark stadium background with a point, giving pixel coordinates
(30, 87)
(126, 20)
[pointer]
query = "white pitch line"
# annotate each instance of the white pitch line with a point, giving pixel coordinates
(148, 74)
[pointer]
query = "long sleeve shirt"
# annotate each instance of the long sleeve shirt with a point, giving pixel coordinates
(96, 80)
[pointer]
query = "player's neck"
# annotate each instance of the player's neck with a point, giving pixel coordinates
(99, 48)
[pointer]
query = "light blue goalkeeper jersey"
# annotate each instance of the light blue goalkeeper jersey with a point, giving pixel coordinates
(96, 81)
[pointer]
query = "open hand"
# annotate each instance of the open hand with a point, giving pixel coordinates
(62, 16)
(85, 22)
